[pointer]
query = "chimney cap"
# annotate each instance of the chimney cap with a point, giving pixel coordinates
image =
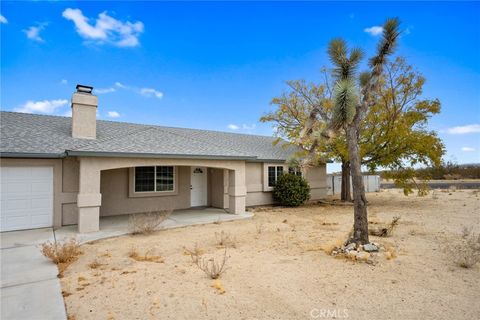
(84, 89)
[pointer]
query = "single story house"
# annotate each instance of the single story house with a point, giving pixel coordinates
(59, 170)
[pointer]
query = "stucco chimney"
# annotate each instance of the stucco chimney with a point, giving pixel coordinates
(84, 113)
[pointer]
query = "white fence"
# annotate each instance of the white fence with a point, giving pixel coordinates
(334, 183)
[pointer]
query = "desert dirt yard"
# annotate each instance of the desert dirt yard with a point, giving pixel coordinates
(278, 267)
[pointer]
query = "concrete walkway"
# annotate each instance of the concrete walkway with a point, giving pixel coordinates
(30, 288)
(118, 225)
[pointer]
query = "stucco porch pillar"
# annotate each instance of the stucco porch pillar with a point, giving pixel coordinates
(89, 198)
(237, 190)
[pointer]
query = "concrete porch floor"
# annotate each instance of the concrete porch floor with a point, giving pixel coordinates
(113, 226)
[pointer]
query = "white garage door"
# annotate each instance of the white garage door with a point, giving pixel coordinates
(26, 198)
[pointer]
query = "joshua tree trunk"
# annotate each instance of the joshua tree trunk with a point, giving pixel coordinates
(360, 224)
(345, 194)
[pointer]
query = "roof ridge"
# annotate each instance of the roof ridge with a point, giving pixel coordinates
(142, 124)
(195, 138)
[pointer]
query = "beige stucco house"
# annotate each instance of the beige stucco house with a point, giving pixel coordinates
(59, 170)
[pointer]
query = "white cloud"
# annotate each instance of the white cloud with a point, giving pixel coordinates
(374, 31)
(64, 81)
(118, 84)
(106, 29)
(3, 19)
(104, 90)
(149, 92)
(468, 149)
(469, 128)
(33, 33)
(113, 114)
(244, 127)
(44, 106)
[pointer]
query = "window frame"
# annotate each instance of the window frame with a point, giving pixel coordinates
(279, 170)
(132, 185)
(296, 171)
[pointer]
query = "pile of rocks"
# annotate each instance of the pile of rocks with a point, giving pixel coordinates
(366, 252)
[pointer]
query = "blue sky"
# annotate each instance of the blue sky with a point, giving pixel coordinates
(217, 65)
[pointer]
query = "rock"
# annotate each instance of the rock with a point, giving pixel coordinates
(351, 246)
(370, 247)
(352, 254)
(363, 256)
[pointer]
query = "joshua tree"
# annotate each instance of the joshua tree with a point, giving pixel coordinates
(351, 102)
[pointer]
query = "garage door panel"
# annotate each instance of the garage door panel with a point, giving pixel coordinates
(26, 197)
(15, 187)
(41, 187)
(18, 204)
(39, 221)
(41, 203)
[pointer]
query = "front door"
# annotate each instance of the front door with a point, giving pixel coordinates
(198, 186)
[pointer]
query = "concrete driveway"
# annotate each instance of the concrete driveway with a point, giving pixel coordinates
(30, 288)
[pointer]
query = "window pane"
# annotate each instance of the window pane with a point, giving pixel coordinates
(279, 171)
(291, 170)
(144, 179)
(165, 178)
(271, 176)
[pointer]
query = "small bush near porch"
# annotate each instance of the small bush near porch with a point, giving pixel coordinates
(280, 268)
(291, 190)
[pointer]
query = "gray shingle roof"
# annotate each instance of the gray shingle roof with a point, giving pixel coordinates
(50, 136)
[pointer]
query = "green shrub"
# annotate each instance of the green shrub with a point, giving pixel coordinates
(291, 190)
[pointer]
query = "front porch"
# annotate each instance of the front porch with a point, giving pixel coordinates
(113, 226)
(122, 186)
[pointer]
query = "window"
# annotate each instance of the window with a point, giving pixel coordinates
(273, 174)
(155, 179)
(295, 171)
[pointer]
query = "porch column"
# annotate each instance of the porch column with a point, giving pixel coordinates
(237, 190)
(89, 198)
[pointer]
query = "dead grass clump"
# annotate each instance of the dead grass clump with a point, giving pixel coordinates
(225, 239)
(95, 264)
(211, 267)
(146, 257)
(146, 223)
(61, 253)
(385, 231)
(466, 253)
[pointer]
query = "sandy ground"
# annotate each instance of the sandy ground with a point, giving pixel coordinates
(282, 273)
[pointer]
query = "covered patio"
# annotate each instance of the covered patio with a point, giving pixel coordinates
(112, 226)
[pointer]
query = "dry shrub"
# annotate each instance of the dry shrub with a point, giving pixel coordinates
(259, 228)
(61, 253)
(466, 253)
(145, 223)
(330, 247)
(195, 253)
(212, 268)
(225, 239)
(385, 231)
(146, 257)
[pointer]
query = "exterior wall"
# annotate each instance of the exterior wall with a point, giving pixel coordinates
(117, 199)
(256, 195)
(317, 178)
(217, 189)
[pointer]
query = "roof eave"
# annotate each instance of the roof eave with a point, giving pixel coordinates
(153, 155)
(32, 155)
